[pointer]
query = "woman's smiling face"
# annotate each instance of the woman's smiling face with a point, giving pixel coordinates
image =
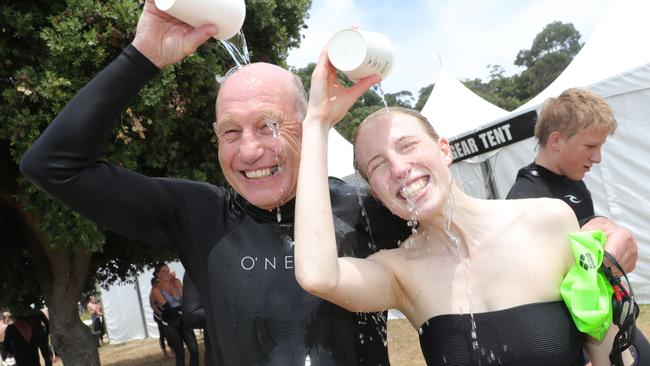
(406, 166)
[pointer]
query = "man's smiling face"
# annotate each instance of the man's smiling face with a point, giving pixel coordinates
(259, 132)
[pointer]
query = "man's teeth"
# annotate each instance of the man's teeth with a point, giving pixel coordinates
(261, 173)
(414, 188)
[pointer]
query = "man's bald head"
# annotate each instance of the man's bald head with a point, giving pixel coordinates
(259, 78)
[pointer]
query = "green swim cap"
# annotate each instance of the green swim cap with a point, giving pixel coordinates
(585, 290)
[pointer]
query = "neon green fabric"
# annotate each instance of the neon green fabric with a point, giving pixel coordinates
(585, 290)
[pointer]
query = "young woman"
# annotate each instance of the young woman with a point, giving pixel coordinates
(479, 279)
(167, 296)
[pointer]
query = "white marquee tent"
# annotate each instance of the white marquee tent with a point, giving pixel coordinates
(615, 64)
(454, 109)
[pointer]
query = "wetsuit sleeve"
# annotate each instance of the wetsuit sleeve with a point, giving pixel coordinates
(64, 161)
(525, 187)
(193, 313)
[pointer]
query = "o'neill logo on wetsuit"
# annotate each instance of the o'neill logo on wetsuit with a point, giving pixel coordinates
(267, 263)
(572, 198)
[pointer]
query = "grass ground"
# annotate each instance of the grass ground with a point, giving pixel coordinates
(403, 347)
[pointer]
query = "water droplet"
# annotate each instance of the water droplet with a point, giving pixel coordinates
(377, 88)
(364, 214)
(238, 50)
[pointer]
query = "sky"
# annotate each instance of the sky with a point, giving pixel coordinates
(463, 35)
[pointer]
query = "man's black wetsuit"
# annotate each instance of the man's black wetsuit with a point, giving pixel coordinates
(239, 256)
(535, 181)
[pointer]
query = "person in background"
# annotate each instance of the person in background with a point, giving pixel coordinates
(157, 317)
(570, 131)
(55, 357)
(41, 326)
(5, 316)
(168, 295)
(94, 308)
(194, 316)
(21, 341)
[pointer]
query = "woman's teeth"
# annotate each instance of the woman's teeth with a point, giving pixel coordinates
(414, 188)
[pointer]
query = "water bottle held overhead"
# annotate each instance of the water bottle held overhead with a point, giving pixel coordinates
(228, 15)
(359, 54)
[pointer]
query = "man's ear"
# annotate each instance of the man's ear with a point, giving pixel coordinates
(446, 150)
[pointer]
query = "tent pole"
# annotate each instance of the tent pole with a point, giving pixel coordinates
(488, 174)
(144, 319)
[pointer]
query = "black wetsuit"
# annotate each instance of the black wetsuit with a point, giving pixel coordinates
(538, 334)
(534, 181)
(194, 315)
(25, 352)
(239, 256)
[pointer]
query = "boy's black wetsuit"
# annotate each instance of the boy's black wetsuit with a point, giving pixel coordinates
(239, 256)
(534, 181)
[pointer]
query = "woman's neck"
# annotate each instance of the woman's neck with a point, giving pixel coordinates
(460, 223)
(164, 283)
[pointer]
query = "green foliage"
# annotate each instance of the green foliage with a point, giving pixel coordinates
(499, 90)
(423, 96)
(552, 51)
(50, 50)
(272, 27)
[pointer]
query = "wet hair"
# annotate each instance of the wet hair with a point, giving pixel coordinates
(390, 113)
(157, 268)
(573, 111)
(154, 279)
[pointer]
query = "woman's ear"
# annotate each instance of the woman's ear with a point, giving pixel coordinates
(445, 149)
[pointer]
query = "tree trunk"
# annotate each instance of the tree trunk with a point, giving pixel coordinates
(72, 339)
(62, 277)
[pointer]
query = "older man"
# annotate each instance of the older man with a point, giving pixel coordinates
(236, 248)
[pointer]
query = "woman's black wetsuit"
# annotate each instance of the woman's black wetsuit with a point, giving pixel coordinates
(538, 334)
(239, 256)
